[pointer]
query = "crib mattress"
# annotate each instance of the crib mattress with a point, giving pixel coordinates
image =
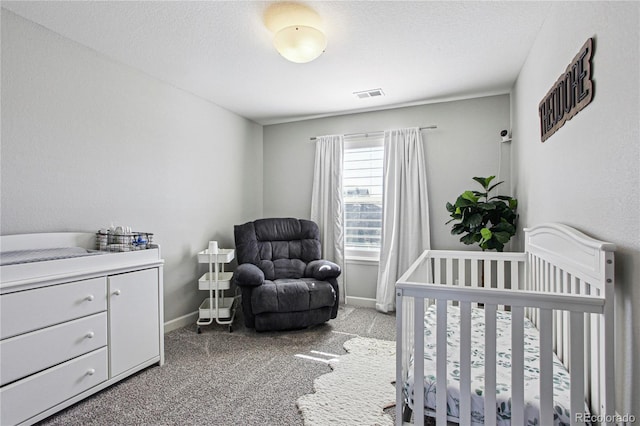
(41, 255)
(561, 376)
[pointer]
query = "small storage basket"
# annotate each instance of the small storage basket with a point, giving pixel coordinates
(123, 242)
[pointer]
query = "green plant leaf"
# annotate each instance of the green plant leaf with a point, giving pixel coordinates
(458, 229)
(484, 181)
(487, 206)
(486, 234)
(502, 237)
(462, 202)
(474, 220)
(494, 185)
(504, 226)
(494, 244)
(468, 239)
(469, 196)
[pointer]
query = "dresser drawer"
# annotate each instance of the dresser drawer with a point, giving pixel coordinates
(35, 394)
(32, 352)
(30, 310)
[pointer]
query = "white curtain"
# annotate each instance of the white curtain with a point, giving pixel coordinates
(327, 205)
(405, 211)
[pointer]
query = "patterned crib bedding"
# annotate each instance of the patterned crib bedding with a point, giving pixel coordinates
(40, 255)
(561, 382)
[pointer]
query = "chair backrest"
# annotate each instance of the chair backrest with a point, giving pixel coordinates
(281, 247)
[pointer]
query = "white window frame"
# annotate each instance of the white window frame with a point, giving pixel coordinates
(361, 253)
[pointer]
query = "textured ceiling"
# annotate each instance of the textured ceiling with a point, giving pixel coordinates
(417, 52)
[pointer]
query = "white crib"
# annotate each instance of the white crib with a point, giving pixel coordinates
(561, 287)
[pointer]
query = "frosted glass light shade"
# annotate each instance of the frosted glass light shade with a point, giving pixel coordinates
(299, 43)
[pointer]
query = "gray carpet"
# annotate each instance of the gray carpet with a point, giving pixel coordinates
(222, 378)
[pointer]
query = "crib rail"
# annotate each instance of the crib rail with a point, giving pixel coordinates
(575, 306)
(566, 292)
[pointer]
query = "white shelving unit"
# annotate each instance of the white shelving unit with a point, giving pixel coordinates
(216, 307)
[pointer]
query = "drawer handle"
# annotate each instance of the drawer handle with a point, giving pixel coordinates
(91, 372)
(89, 298)
(90, 335)
(117, 293)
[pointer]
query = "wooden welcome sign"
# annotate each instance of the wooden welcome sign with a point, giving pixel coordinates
(569, 95)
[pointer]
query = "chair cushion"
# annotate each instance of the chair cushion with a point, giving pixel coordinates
(280, 247)
(322, 270)
(292, 295)
(282, 268)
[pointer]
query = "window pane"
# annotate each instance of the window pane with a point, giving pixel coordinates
(362, 186)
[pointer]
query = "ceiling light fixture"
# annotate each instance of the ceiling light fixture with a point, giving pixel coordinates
(298, 31)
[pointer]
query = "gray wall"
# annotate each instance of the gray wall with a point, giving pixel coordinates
(87, 142)
(587, 175)
(464, 145)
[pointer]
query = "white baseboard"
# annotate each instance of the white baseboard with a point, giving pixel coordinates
(360, 301)
(180, 322)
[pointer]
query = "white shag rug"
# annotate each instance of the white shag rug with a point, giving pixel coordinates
(357, 390)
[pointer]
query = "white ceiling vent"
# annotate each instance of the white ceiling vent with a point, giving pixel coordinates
(371, 93)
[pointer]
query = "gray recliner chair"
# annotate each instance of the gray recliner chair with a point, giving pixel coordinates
(284, 283)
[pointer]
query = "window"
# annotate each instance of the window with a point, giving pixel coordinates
(362, 191)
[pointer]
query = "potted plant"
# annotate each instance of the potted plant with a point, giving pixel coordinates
(487, 221)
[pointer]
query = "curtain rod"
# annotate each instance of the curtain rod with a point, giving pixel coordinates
(367, 134)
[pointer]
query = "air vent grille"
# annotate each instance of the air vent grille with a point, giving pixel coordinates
(371, 93)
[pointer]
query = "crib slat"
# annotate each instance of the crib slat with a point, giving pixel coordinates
(474, 277)
(449, 271)
(560, 321)
(515, 278)
(500, 272)
(577, 366)
(474, 273)
(534, 284)
(592, 340)
(545, 276)
(500, 279)
(592, 334)
(465, 363)
(565, 325)
(462, 272)
(418, 365)
(437, 277)
(528, 279)
(441, 362)
(553, 286)
(517, 365)
(546, 367)
(529, 267)
(565, 340)
(486, 282)
(490, 365)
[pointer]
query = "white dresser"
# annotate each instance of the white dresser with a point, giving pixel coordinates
(71, 327)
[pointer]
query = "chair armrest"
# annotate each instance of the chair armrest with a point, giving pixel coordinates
(322, 270)
(248, 275)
